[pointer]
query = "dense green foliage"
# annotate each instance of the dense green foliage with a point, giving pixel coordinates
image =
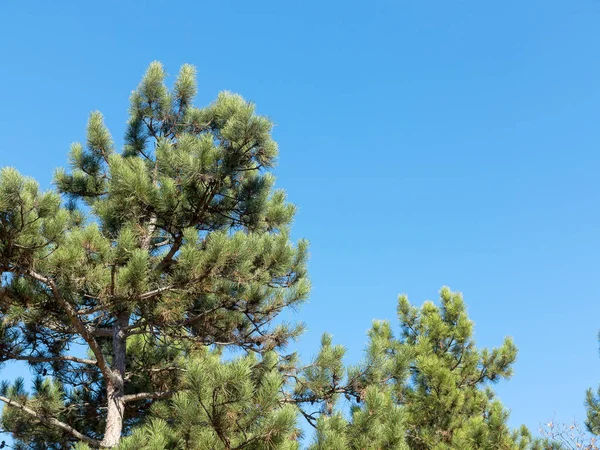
(222, 405)
(123, 288)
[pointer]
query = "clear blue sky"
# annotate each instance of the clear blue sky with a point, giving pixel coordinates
(425, 143)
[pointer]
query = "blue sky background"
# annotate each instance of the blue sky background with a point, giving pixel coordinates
(425, 143)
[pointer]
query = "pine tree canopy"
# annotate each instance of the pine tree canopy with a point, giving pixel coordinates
(123, 286)
(177, 242)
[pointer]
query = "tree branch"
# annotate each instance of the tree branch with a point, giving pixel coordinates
(50, 421)
(168, 259)
(151, 294)
(148, 396)
(35, 359)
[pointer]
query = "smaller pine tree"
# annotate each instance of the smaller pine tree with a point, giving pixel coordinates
(448, 396)
(428, 388)
(592, 403)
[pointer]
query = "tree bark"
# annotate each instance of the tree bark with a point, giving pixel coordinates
(115, 386)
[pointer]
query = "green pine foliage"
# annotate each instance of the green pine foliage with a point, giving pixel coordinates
(222, 405)
(592, 402)
(123, 287)
(375, 423)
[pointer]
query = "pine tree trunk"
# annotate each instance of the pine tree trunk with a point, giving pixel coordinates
(115, 386)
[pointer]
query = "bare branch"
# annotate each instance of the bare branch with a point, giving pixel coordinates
(148, 396)
(35, 359)
(130, 375)
(155, 292)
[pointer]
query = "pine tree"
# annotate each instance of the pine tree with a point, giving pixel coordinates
(592, 403)
(431, 385)
(178, 242)
(448, 397)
